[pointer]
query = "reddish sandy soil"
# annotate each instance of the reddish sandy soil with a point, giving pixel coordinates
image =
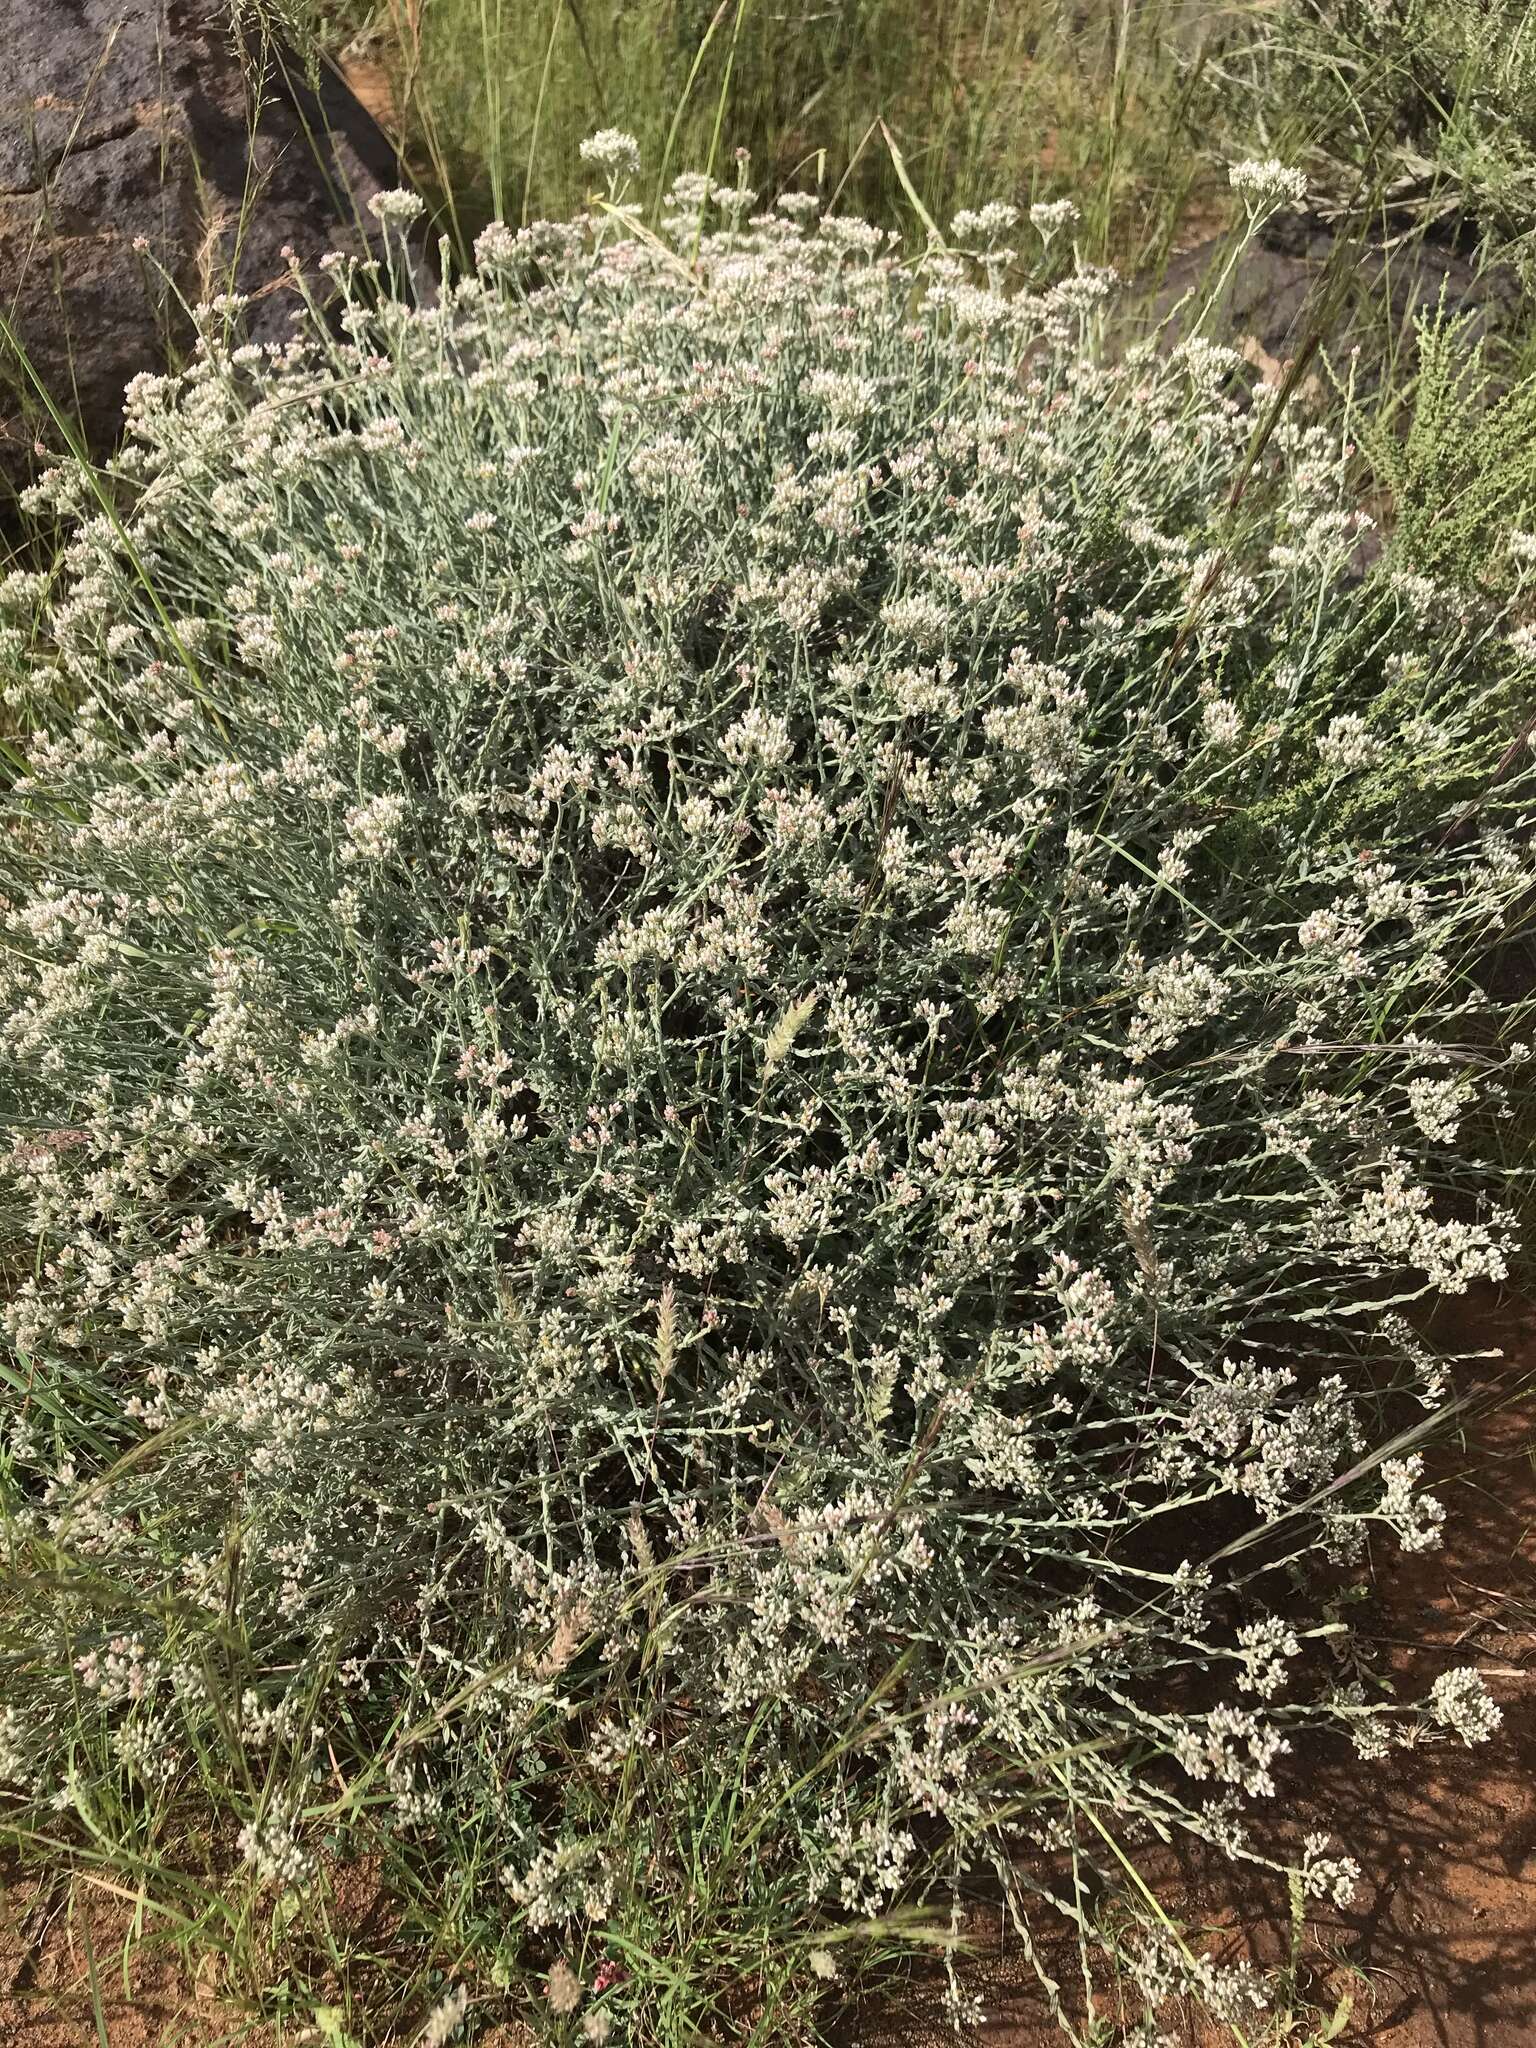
(1438, 1949)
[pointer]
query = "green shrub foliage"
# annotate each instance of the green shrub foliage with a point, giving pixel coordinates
(727, 1065)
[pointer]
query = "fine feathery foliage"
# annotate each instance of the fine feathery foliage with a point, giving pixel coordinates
(1461, 469)
(715, 1206)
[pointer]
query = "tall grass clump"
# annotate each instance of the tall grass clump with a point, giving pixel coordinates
(1032, 100)
(729, 1096)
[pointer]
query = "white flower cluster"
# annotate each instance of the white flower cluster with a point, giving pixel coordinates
(15, 1761)
(446, 2019)
(1265, 183)
(1459, 1700)
(396, 209)
(272, 1846)
(612, 152)
(1049, 216)
(1348, 744)
(1417, 1517)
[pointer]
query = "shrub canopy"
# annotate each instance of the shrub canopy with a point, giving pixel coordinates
(739, 1003)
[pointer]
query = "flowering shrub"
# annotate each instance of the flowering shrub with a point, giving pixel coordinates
(731, 1039)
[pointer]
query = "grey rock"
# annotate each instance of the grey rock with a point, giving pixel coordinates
(1269, 294)
(130, 120)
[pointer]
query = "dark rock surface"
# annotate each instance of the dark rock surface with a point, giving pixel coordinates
(129, 120)
(1266, 297)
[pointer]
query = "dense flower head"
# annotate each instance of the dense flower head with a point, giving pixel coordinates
(706, 997)
(1264, 183)
(396, 208)
(612, 152)
(1050, 216)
